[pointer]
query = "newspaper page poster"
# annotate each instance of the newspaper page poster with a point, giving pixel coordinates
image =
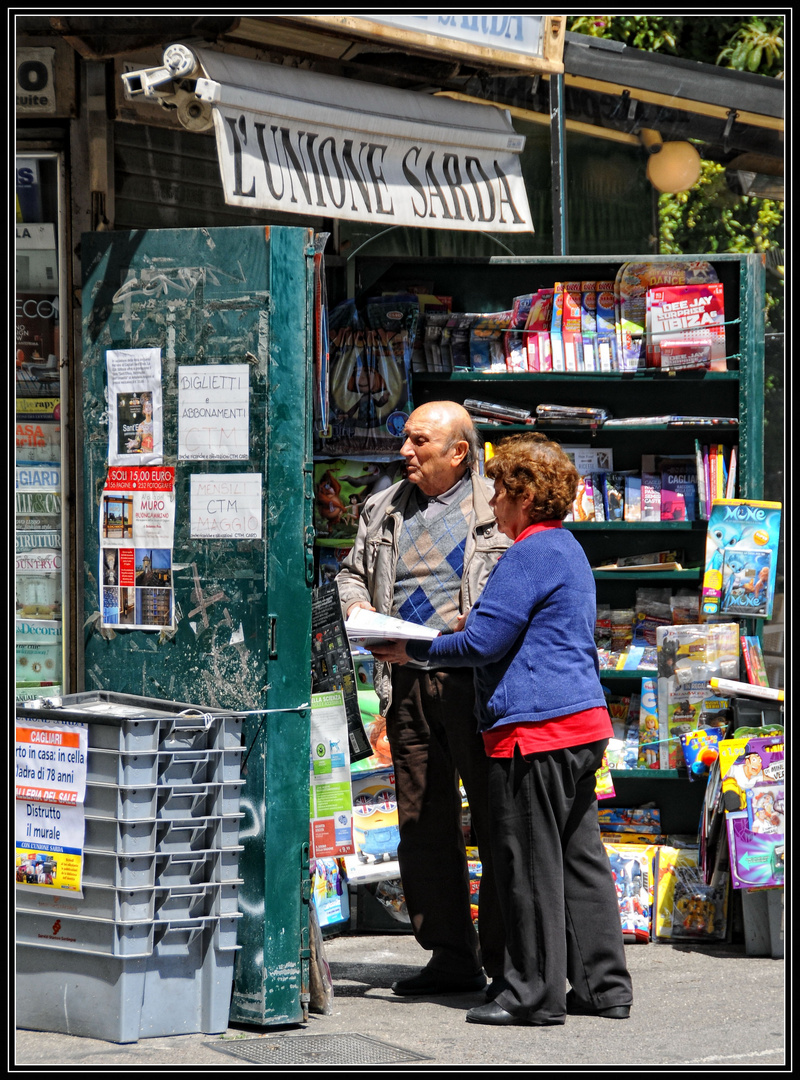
(214, 412)
(50, 762)
(135, 425)
(137, 526)
(331, 809)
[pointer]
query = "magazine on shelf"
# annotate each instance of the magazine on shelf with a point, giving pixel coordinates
(686, 326)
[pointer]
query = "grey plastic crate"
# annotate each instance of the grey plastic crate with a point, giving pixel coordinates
(98, 902)
(199, 800)
(120, 803)
(122, 1000)
(147, 803)
(164, 768)
(196, 867)
(119, 871)
(174, 936)
(151, 735)
(50, 930)
(120, 837)
(197, 901)
(130, 723)
(147, 871)
(197, 834)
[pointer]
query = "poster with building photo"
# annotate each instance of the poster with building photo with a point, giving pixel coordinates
(135, 426)
(137, 526)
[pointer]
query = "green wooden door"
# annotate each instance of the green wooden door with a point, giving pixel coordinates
(242, 606)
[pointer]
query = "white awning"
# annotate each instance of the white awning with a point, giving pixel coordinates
(318, 145)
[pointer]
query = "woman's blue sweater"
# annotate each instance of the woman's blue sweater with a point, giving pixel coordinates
(530, 635)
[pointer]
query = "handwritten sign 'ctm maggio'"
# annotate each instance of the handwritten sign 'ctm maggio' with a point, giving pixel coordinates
(226, 507)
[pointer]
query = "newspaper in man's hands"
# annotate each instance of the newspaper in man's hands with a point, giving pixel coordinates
(365, 627)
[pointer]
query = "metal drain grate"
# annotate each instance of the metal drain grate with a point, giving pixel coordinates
(349, 1048)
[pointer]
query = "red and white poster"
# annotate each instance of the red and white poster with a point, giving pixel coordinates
(137, 526)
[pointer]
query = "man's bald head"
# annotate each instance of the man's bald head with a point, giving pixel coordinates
(441, 445)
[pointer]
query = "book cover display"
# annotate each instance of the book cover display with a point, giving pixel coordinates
(341, 487)
(741, 558)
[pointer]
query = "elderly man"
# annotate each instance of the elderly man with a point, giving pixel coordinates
(423, 552)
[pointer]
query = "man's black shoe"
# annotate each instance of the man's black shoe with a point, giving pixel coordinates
(492, 1013)
(435, 982)
(576, 1007)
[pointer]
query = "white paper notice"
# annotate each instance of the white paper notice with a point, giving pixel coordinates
(225, 506)
(135, 427)
(214, 412)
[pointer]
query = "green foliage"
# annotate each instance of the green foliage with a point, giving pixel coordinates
(710, 218)
(754, 43)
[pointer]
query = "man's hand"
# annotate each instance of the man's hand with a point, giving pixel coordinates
(360, 603)
(390, 652)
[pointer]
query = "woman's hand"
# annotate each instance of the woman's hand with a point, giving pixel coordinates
(390, 652)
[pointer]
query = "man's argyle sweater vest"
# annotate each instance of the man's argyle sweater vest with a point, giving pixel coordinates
(430, 563)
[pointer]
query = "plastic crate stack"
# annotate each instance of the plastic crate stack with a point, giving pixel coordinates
(149, 949)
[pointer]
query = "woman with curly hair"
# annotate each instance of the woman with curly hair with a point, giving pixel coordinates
(545, 726)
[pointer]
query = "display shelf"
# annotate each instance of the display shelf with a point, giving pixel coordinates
(667, 576)
(490, 284)
(617, 674)
(647, 774)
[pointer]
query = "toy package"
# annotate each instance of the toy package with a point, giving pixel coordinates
(625, 819)
(632, 871)
(665, 870)
(571, 326)
(375, 830)
(753, 796)
(515, 345)
(688, 656)
(746, 763)
(487, 341)
(700, 911)
(537, 331)
(757, 859)
(741, 558)
(329, 891)
(700, 750)
(606, 321)
(649, 756)
(589, 325)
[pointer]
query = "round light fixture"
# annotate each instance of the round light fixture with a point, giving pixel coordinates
(675, 167)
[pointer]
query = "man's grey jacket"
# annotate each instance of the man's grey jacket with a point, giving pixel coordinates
(368, 572)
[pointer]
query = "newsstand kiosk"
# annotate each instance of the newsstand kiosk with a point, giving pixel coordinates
(213, 327)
